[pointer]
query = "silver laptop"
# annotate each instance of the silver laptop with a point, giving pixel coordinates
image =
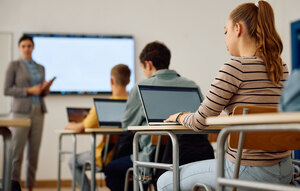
(109, 111)
(159, 102)
(76, 114)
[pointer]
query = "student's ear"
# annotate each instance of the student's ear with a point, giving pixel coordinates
(112, 81)
(149, 65)
(238, 29)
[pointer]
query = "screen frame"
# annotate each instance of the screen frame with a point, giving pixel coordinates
(69, 109)
(113, 123)
(78, 35)
(295, 31)
(175, 88)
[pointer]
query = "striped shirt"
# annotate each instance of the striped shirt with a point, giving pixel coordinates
(242, 80)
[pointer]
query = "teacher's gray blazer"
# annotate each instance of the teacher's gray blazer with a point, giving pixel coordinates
(17, 81)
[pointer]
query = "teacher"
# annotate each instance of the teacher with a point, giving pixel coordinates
(24, 81)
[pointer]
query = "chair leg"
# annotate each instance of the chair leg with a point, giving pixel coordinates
(127, 179)
(141, 186)
(82, 175)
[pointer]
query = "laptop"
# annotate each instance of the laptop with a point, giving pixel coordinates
(77, 114)
(159, 102)
(110, 111)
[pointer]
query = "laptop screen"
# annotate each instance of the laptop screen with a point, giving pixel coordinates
(160, 102)
(77, 114)
(109, 111)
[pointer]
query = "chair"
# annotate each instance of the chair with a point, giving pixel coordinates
(87, 165)
(158, 141)
(238, 110)
(268, 137)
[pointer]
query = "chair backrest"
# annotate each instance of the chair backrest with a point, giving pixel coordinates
(164, 140)
(238, 110)
(268, 141)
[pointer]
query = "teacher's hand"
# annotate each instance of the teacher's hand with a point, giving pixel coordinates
(35, 90)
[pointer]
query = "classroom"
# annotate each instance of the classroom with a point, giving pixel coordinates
(192, 30)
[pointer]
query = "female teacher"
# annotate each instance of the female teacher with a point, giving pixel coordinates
(24, 81)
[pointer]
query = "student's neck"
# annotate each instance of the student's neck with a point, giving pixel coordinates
(248, 48)
(119, 92)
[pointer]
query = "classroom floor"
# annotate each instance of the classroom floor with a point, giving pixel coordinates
(64, 189)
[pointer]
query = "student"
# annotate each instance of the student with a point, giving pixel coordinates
(120, 76)
(255, 75)
(24, 81)
(155, 60)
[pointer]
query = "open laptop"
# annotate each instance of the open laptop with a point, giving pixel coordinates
(77, 114)
(109, 111)
(159, 102)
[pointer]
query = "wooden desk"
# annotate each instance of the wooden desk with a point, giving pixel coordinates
(6, 122)
(251, 123)
(163, 130)
(255, 119)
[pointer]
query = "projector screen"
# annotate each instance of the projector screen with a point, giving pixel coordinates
(82, 63)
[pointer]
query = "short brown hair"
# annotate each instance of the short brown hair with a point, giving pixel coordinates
(158, 53)
(121, 72)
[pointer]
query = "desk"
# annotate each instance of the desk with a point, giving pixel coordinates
(163, 130)
(60, 152)
(93, 132)
(6, 122)
(255, 119)
(257, 122)
(88, 131)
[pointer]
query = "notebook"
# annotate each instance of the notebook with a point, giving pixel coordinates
(110, 111)
(77, 114)
(159, 102)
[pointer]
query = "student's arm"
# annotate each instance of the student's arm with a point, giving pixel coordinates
(91, 120)
(78, 127)
(225, 85)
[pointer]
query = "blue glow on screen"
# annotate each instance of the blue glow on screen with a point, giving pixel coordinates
(82, 64)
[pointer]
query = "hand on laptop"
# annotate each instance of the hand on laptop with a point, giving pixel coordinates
(78, 127)
(176, 117)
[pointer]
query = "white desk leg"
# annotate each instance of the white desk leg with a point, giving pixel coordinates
(7, 159)
(175, 157)
(135, 158)
(93, 137)
(59, 162)
(74, 161)
(175, 148)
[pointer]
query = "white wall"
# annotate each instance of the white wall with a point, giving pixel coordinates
(193, 30)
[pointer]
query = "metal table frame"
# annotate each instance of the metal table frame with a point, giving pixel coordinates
(222, 181)
(7, 150)
(93, 133)
(62, 152)
(7, 158)
(171, 132)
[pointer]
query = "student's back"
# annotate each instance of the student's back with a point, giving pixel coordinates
(255, 75)
(155, 60)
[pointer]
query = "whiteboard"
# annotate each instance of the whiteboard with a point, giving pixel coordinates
(5, 58)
